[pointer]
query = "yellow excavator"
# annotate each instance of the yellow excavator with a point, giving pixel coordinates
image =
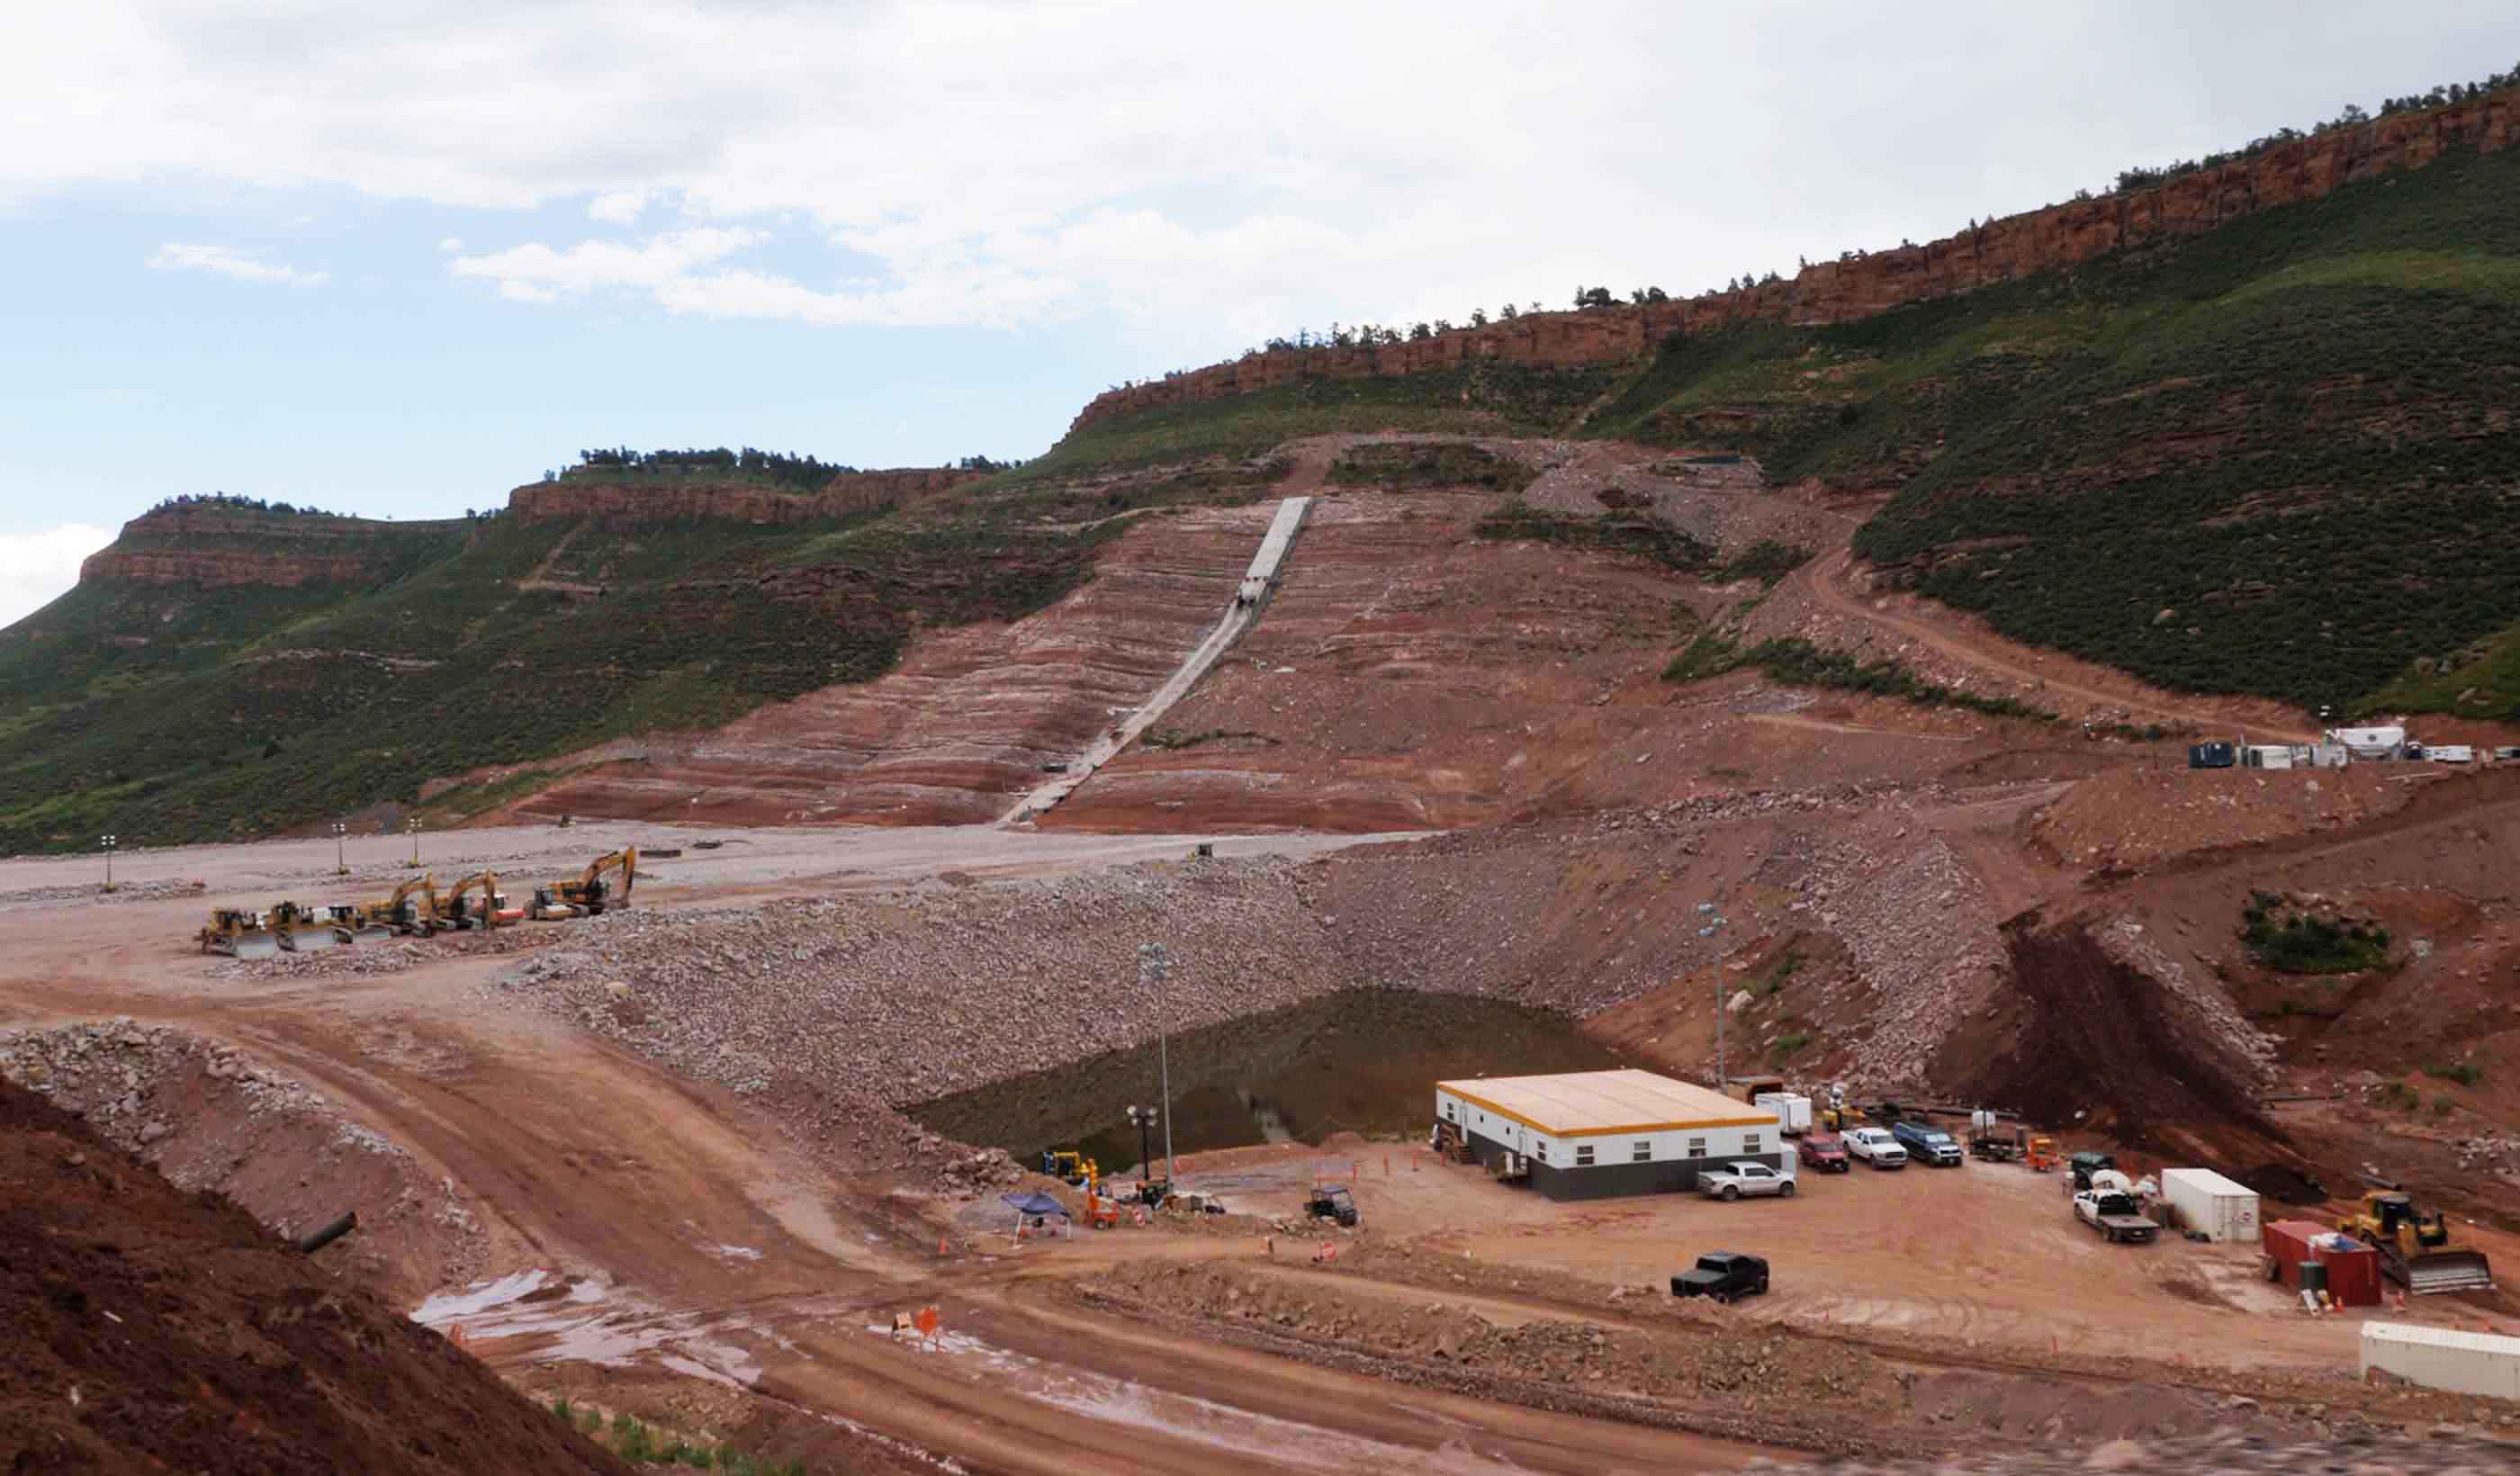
(303, 929)
(588, 894)
(412, 908)
(239, 933)
(2415, 1250)
(458, 910)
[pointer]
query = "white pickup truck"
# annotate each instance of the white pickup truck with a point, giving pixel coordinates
(1875, 1146)
(1736, 1181)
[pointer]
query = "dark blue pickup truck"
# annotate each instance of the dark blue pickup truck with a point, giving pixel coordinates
(1927, 1143)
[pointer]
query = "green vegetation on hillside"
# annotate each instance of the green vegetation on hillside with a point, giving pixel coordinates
(1609, 533)
(1412, 464)
(1498, 398)
(2288, 939)
(2276, 458)
(1799, 663)
(253, 709)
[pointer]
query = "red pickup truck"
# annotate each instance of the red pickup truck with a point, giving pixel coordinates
(1822, 1153)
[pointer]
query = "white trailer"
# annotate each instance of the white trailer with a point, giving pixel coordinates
(1793, 1110)
(2442, 1357)
(2215, 1206)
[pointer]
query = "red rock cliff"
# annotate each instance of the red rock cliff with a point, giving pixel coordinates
(214, 546)
(643, 498)
(1834, 291)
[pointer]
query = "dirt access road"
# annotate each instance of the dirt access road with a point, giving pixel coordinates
(691, 1236)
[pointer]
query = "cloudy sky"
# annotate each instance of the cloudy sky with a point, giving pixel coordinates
(393, 260)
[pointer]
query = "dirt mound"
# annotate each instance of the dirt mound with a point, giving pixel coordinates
(150, 1329)
(2098, 1038)
(2137, 817)
(211, 1117)
(2284, 1184)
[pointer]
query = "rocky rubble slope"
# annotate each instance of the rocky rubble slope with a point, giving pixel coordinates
(213, 1118)
(2449, 1452)
(150, 1328)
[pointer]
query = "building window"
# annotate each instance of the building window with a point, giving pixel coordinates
(1697, 1147)
(1749, 1143)
(1448, 1109)
(1642, 1150)
(1583, 1155)
(1541, 1149)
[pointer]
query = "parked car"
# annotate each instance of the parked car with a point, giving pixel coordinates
(1928, 1144)
(1824, 1154)
(1875, 1146)
(1726, 1275)
(1333, 1203)
(1742, 1180)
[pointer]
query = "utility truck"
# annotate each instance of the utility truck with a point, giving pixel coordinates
(1875, 1146)
(2108, 1206)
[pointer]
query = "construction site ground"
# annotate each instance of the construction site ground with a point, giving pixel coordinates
(657, 1163)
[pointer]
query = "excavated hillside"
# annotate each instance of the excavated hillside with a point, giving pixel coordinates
(152, 1329)
(226, 673)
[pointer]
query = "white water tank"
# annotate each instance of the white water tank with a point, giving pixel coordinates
(2206, 1201)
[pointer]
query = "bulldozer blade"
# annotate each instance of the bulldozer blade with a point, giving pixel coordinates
(308, 940)
(252, 946)
(2449, 1270)
(365, 933)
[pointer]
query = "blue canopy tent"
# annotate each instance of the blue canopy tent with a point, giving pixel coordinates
(1035, 1210)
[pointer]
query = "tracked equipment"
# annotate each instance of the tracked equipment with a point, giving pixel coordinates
(2415, 1250)
(460, 911)
(412, 910)
(303, 929)
(239, 933)
(589, 894)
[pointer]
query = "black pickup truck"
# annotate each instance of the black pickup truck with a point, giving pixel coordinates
(1724, 1274)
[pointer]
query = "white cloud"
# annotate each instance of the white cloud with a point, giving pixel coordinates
(37, 567)
(175, 257)
(617, 208)
(450, 243)
(1208, 173)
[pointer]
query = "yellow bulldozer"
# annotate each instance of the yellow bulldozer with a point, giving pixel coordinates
(303, 929)
(2415, 1250)
(239, 933)
(588, 894)
(459, 910)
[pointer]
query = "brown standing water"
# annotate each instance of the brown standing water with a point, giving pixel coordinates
(1362, 1060)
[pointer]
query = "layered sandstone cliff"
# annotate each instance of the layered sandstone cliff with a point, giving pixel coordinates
(214, 546)
(1864, 284)
(640, 498)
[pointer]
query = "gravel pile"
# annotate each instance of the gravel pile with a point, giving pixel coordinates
(111, 1073)
(123, 891)
(2450, 1451)
(388, 956)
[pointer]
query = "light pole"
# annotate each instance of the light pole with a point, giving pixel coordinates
(109, 843)
(1144, 1120)
(413, 825)
(1706, 910)
(1155, 966)
(340, 855)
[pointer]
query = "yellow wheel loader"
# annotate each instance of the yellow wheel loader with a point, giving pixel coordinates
(2415, 1250)
(239, 933)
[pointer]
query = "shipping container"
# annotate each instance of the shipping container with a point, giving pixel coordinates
(2353, 1269)
(2208, 1202)
(2441, 1358)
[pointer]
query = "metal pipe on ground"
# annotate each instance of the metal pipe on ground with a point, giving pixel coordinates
(308, 1245)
